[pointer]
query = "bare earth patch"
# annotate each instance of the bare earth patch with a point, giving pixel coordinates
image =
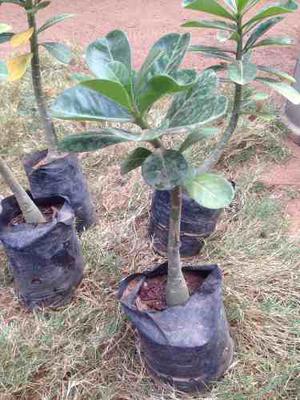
(287, 175)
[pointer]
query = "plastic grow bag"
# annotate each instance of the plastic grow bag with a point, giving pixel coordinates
(197, 223)
(61, 177)
(45, 260)
(186, 346)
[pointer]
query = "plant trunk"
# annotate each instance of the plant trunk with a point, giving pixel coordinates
(177, 291)
(37, 84)
(215, 156)
(30, 211)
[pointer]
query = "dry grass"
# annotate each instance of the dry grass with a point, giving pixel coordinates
(86, 350)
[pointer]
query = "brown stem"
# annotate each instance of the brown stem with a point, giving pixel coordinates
(48, 125)
(177, 291)
(30, 211)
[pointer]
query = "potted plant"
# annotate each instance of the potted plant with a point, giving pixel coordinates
(41, 244)
(246, 34)
(50, 172)
(245, 29)
(178, 313)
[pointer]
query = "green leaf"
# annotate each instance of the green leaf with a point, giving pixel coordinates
(82, 104)
(196, 136)
(210, 25)
(285, 90)
(165, 170)
(135, 159)
(163, 59)
(275, 41)
(210, 190)
(276, 72)
(38, 7)
(112, 90)
(17, 2)
(53, 21)
(3, 71)
(269, 12)
(5, 37)
(101, 53)
(92, 141)
(59, 51)
(4, 28)
(261, 30)
(201, 104)
(242, 72)
(232, 5)
(79, 77)
(162, 85)
(213, 52)
(241, 4)
(208, 6)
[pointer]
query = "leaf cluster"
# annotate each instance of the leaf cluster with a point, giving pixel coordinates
(115, 91)
(247, 35)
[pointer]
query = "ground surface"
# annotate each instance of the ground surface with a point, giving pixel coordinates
(86, 351)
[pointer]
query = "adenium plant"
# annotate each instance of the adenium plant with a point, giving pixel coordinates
(238, 25)
(16, 66)
(14, 69)
(116, 92)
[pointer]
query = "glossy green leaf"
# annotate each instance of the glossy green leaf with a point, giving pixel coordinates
(112, 90)
(200, 104)
(209, 7)
(92, 141)
(269, 12)
(275, 41)
(6, 37)
(159, 74)
(210, 25)
(165, 170)
(161, 85)
(241, 4)
(213, 52)
(242, 72)
(210, 190)
(196, 136)
(101, 53)
(3, 71)
(260, 31)
(284, 89)
(135, 159)
(80, 103)
(53, 21)
(59, 51)
(276, 72)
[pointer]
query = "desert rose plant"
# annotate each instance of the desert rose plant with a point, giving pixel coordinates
(117, 92)
(244, 29)
(50, 172)
(17, 65)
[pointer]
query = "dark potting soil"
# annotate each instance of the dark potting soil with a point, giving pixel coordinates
(49, 212)
(152, 295)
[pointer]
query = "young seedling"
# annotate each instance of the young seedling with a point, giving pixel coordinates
(238, 24)
(117, 92)
(17, 66)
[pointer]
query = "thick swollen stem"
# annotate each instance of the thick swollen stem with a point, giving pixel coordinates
(30, 211)
(177, 292)
(36, 75)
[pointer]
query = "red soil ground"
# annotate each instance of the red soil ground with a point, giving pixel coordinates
(145, 21)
